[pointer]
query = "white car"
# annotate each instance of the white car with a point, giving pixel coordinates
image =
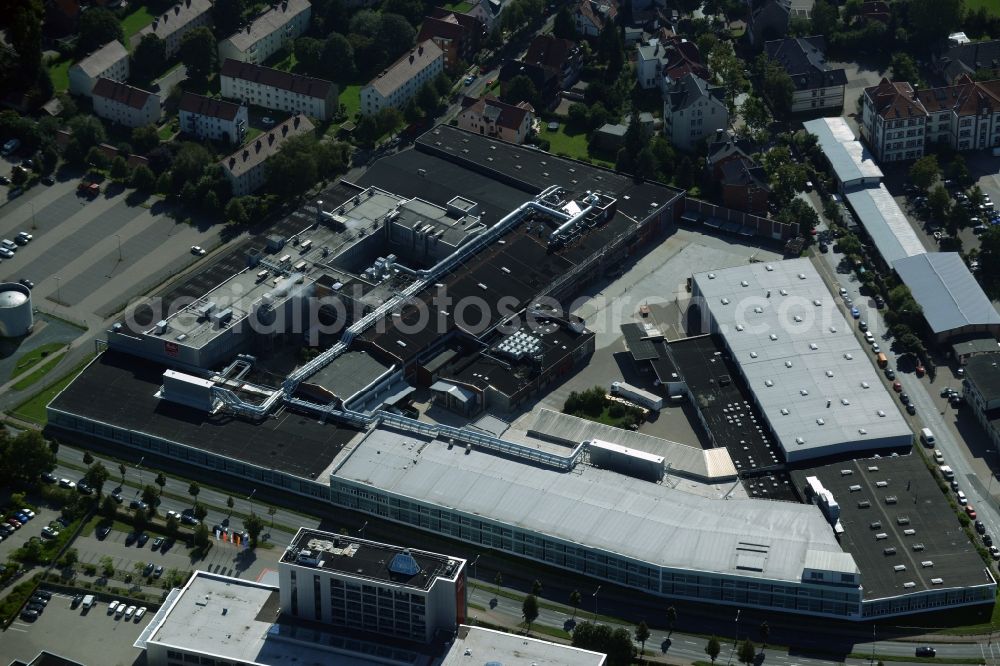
(112, 607)
(5, 253)
(869, 337)
(174, 514)
(843, 292)
(267, 121)
(139, 613)
(25, 236)
(198, 250)
(995, 552)
(120, 610)
(66, 483)
(129, 612)
(28, 512)
(49, 533)
(875, 348)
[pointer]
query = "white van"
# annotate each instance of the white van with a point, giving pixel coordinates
(926, 436)
(938, 457)
(88, 602)
(946, 472)
(962, 499)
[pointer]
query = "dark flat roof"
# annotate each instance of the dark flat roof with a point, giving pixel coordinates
(637, 342)
(984, 372)
(349, 373)
(919, 503)
(370, 559)
(127, 385)
(731, 415)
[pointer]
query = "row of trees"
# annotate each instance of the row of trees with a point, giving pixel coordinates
(917, 26)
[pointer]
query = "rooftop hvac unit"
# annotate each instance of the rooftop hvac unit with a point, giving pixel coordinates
(161, 327)
(222, 316)
(205, 309)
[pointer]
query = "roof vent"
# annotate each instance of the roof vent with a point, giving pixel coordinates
(783, 292)
(820, 422)
(788, 364)
(813, 346)
(768, 382)
(845, 402)
(833, 329)
(829, 373)
(865, 385)
(799, 440)
(744, 283)
(773, 336)
(849, 356)
(817, 302)
(753, 354)
(725, 301)
(769, 267)
(802, 276)
(784, 411)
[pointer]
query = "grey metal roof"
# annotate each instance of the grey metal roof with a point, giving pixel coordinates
(948, 293)
(488, 646)
(814, 383)
(98, 62)
(888, 227)
(648, 522)
(848, 157)
(709, 465)
(271, 21)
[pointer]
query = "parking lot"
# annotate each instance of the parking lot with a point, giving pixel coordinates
(97, 638)
(92, 256)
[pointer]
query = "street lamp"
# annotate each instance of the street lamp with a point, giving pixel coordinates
(250, 499)
(118, 236)
(58, 299)
(595, 602)
(736, 638)
(873, 645)
(474, 567)
(138, 468)
(361, 530)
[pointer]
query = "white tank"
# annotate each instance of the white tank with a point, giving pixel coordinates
(16, 318)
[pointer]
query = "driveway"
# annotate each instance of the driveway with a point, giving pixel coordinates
(859, 77)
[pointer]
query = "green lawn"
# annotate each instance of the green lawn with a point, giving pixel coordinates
(34, 356)
(33, 409)
(571, 145)
(461, 7)
(350, 97)
(59, 73)
(36, 375)
(286, 64)
(135, 22)
(991, 5)
(253, 133)
(166, 132)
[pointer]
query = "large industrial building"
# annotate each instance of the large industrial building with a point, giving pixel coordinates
(815, 385)
(208, 373)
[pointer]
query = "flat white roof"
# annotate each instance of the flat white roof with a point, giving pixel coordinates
(624, 450)
(595, 508)
(948, 294)
(189, 379)
(849, 158)
(476, 645)
(887, 225)
(815, 384)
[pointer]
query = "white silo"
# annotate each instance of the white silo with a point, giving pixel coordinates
(16, 318)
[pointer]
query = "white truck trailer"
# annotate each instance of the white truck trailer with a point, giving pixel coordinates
(636, 395)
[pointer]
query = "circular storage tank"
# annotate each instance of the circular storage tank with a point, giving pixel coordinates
(16, 318)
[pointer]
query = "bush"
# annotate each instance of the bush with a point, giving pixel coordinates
(616, 410)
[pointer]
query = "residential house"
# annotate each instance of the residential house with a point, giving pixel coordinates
(400, 82)
(693, 110)
(544, 79)
(246, 169)
(968, 59)
(770, 19)
(609, 138)
(818, 87)
(278, 90)
(981, 390)
(559, 55)
(264, 36)
(125, 105)
(874, 10)
(457, 35)
(725, 149)
(491, 117)
(898, 121)
(488, 12)
(208, 118)
(62, 16)
(744, 185)
(108, 62)
(665, 60)
(173, 24)
(592, 16)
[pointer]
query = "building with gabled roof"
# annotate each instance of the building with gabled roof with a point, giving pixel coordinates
(693, 110)
(491, 117)
(215, 119)
(592, 16)
(458, 35)
(968, 59)
(125, 105)
(769, 19)
(278, 90)
(559, 55)
(663, 61)
(256, 42)
(108, 62)
(246, 168)
(401, 81)
(818, 87)
(174, 23)
(744, 186)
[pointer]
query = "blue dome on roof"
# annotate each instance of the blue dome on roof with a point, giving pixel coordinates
(404, 564)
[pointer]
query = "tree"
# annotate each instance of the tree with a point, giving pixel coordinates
(18, 177)
(25, 34)
(671, 618)
(536, 588)
(521, 89)
(729, 71)
(747, 652)
(825, 18)
(228, 15)
(143, 179)
(24, 458)
(145, 139)
(96, 476)
(756, 118)
(69, 558)
(98, 26)
(712, 648)
(139, 521)
(394, 35)
(427, 98)
(925, 171)
(189, 164)
(959, 171)
(529, 611)
(109, 508)
(574, 600)
(193, 491)
(933, 20)
(200, 511)
(149, 57)
(150, 496)
(616, 643)
(775, 84)
(254, 525)
(172, 527)
(938, 202)
(119, 169)
(989, 255)
(412, 10)
(904, 68)
(564, 26)
(765, 632)
(271, 511)
(498, 579)
(230, 502)
(54, 446)
(199, 52)
(801, 212)
(236, 212)
(337, 59)
(88, 459)
(309, 54)
(200, 536)
(611, 51)
(642, 635)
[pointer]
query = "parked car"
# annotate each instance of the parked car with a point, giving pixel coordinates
(920, 369)
(24, 516)
(23, 236)
(875, 348)
(157, 542)
(863, 326)
(148, 569)
(44, 594)
(39, 599)
(29, 615)
(143, 538)
(27, 283)
(116, 495)
(197, 250)
(911, 409)
(48, 180)
(84, 488)
(267, 121)
(103, 532)
(129, 612)
(139, 613)
(77, 600)
(158, 571)
(49, 477)
(49, 533)
(188, 519)
(890, 374)
(987, 540)
(120, 611)
(855, 312)
(66, 483)
(904, 398)
(995, 552)
(970, 511)
(137, 504)
(131, 538)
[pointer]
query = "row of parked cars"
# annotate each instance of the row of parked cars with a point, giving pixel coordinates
(14, 521)
(120, 610)
(35, 605)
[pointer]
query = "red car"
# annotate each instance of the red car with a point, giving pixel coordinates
(970, 511)
(896, 386)
(14, 522)
(920, 370)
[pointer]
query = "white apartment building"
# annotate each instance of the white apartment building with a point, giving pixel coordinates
(818, 87)
(491, 117)
(368, 586)
(125, 105)
(693, 110)
(173, 24)
(395, 86)
(246, 168)
(208, 118)
(898, 122)
(108, 62)
(262, 38)
(278, 90)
